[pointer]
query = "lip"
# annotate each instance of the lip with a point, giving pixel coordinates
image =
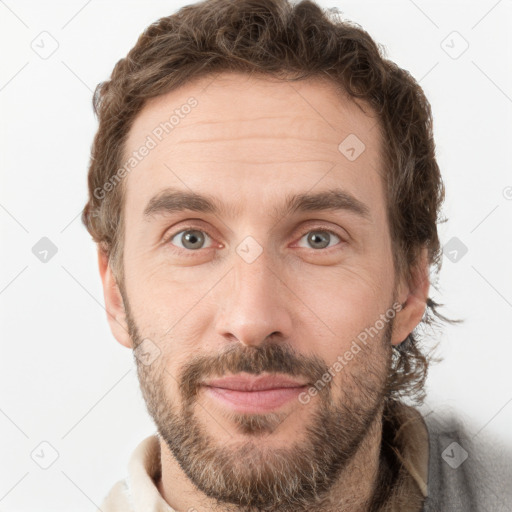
(251, 383)
(249, 394)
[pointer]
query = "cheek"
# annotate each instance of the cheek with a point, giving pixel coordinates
(344, 301)
(359, 291)
(160, 296)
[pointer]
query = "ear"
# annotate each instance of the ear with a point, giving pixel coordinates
(413, 297)
(116, 314)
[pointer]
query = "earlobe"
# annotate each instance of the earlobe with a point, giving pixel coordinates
(116, 314)
(413, 297)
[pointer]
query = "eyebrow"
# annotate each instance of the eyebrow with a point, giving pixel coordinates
(171, 200)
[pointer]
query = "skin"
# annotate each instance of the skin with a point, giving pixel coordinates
(249, 143)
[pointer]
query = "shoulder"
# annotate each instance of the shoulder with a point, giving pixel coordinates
(467, 470)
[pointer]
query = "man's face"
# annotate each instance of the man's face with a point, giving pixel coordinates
(254, 289)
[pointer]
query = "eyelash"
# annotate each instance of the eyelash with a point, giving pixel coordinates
(195, 228)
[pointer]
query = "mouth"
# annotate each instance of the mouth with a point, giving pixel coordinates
(250, 394)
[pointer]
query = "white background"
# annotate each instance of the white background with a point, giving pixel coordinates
(63, 377)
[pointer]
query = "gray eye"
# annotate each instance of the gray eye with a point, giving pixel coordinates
(190, 239)
(320, 239)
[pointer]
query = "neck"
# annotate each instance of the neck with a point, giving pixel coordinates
(362, 485)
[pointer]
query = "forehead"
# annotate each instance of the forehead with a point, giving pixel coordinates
(251, 138)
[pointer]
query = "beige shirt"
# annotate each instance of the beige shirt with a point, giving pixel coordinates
(139, 493)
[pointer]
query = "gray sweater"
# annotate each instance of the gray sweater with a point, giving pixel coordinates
(466, 474)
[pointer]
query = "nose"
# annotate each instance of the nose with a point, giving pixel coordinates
(254, 303)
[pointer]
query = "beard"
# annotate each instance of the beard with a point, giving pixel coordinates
(249, 474)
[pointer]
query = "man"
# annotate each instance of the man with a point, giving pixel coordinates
(264, 193)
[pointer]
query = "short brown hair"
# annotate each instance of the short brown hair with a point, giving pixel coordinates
(290, 42)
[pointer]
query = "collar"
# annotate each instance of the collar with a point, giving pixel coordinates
(144, 469)
(405, 446)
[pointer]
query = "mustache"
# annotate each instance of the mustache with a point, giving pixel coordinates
(266, 358)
